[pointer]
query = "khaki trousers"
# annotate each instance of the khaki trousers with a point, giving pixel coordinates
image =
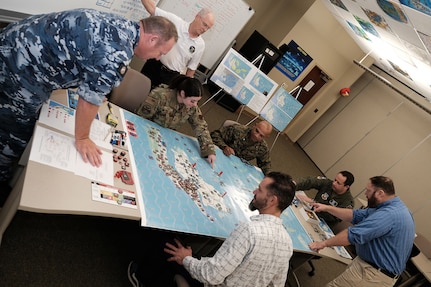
(360, 273)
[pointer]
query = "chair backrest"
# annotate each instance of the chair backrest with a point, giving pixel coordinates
(423, 244)
(132, 91)
(229, 123)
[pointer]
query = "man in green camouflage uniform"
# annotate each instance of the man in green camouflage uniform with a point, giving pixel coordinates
(245, 142)
(162, 107)
(330, 192)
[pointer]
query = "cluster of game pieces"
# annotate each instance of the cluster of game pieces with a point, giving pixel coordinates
(131, 129)
(189, 185)
(118, 138)
(125, 176)
(121, 158)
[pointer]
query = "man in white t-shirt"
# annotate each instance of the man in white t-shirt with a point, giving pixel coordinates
(185, 56)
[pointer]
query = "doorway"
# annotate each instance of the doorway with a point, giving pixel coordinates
(310, 85)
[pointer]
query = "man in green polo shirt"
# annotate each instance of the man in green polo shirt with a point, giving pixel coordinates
(331, 192)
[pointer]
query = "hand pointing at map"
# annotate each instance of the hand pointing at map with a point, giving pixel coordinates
(211, 160)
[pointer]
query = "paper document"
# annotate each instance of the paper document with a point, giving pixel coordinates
(62, 118)
(57, 150)
(53, 149)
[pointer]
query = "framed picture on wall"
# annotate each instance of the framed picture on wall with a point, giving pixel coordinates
(293, 61)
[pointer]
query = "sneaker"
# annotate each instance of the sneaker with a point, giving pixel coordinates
(131, 273)
(181, 281)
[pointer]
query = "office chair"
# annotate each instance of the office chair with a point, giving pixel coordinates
(229, 123)
(132, 91)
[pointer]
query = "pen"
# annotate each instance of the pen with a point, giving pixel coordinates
(111, 119)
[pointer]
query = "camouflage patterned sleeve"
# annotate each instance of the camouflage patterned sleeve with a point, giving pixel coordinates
(217, 137)
(149, 106)
(263, 160)
(200, 127)
(228, 135)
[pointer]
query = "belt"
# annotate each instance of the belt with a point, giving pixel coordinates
(166, 69)
(384, 271)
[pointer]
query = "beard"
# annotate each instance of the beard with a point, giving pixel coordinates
(256, 204)
(372, 201)
(251, 205)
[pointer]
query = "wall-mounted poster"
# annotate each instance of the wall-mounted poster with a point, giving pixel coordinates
(294, 60)
(244, 81)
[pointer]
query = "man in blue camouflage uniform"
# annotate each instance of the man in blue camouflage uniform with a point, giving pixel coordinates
(245, 142)
(81, 48)
(330, 192)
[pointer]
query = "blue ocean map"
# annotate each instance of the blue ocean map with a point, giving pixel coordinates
(181, 192)
(237, 65)
(281, 109)
(300, 237)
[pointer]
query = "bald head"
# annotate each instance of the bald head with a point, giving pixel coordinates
(260, 131)
(208, 15)
(265, 127)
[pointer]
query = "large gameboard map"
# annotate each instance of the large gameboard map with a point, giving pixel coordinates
(181, 192)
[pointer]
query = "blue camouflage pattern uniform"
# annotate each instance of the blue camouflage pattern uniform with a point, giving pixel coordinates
(161, 106)
(82, 48)
(238, 138)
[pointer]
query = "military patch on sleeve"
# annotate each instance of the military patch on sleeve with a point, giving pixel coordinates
(148, 104)
(122, 69)
(149, 101)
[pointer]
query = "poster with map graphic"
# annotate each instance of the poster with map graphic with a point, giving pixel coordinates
(281, 109)
(244, 81)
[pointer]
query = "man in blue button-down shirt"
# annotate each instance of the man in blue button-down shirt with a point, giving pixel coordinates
(383, 236)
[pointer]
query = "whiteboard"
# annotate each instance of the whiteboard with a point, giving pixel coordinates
(244, 81)
(130, 9)
(230, 17)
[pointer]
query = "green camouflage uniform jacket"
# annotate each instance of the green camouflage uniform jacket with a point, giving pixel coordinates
(326, 195)
(238, 138)
(161, 106)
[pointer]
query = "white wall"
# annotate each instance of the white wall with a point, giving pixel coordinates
(376, 131)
